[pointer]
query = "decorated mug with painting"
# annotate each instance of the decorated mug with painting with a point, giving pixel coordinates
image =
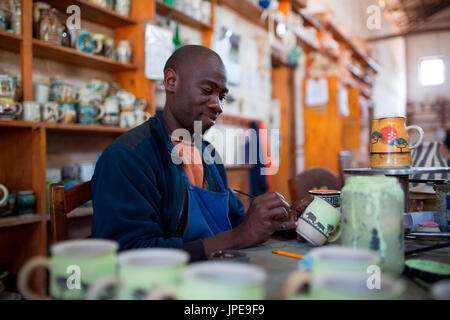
(389, 143)
(320, 222)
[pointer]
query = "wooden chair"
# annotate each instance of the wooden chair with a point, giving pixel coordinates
(312, 178)
(63, 201)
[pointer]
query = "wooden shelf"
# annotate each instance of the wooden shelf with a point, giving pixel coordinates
(309, 21)
(74, 127)
(306, 45)
(49, 51)
(180, 16)
(94, 13)
(298, 4)
(20, 220)
(341, 37)
(10, 41)
(247, 10)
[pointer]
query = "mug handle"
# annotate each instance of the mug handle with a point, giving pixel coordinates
(5, 194)
(101, 114)
(147, 116)
(24, 274)
(101, 284)
(52, 111)
(295, 281)
(61, 114)
(336, 233)
(19, 106)
(419, 142)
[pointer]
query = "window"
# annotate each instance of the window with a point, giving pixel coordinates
(431, 71)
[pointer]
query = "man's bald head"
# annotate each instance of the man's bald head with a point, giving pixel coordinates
(190, 56)
(196, 85)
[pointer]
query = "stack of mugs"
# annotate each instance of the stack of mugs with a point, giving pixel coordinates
(50, 28)
(22, 203)
(154, 273)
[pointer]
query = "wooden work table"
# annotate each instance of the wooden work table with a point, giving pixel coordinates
(279, 267)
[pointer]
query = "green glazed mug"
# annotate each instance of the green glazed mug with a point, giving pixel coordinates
(74, 266)
(320, 222)
(213, 280)
(332, 260)
(141, 271)
(349, 286)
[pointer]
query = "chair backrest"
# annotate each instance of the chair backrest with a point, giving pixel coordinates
(345, 162)
(312, 178)
(63, 201)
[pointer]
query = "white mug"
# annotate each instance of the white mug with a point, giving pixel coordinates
(5, 194)
(141, 116)
(31, 111)
(127, 119)
(41, 92)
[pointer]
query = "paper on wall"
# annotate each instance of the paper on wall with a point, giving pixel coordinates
(316, 92)
(343, 102)
(158, 48)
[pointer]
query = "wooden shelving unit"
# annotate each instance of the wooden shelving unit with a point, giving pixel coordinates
(45, 50)
(10, 41)
(27, 147)
(179, 16)
(247, 10)
(72, 127)
(341, 37)
(94, 13)
(19, 220)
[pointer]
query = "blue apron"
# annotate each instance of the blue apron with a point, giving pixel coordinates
(207, 210)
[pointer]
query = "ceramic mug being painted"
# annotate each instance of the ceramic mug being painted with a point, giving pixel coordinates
(92, 258)
(319, 223)
(333, 197)
(389, 143)
(141, 271)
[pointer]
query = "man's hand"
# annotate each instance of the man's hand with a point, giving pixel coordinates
(267, 213)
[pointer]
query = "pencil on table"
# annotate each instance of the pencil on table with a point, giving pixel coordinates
(287, 254)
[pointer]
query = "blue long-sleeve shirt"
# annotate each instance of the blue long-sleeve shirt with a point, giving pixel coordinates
(139, 193)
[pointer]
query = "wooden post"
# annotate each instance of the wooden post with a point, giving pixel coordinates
(135, 81)
(26, 50)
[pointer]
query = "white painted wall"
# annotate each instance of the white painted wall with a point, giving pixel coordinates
(389, 91)
(427, 45)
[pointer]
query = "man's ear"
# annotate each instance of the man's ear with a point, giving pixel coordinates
(170, 80)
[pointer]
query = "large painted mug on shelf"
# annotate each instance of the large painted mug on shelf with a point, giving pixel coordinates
(9, 109)
(141, 271)
(73, 266)
(51, 112)
(389, 143)
(89, 113)
(69, 113)
(7, 86)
